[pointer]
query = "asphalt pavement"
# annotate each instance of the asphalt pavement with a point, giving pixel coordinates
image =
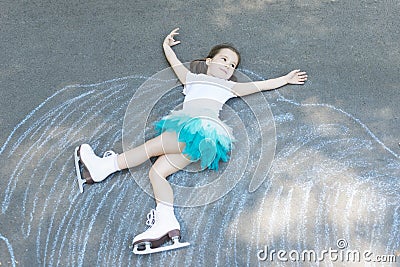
(67, 76)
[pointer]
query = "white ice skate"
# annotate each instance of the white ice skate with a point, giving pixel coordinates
(94, 168)
(163, 227)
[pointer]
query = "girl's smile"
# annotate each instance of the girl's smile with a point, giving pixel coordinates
(223, 64)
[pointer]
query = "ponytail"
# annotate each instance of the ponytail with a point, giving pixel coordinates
(198, 66)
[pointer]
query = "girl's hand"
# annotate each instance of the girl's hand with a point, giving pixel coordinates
(169, 40)
(296, 77)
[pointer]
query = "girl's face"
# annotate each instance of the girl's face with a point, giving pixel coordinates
(223, 64)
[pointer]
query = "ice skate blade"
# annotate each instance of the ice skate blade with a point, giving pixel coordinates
(149, 250)
(78, 171)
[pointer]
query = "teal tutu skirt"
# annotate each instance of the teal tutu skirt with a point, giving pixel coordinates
(207, 139)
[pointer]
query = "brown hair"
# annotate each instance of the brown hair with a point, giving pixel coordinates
(199, 65)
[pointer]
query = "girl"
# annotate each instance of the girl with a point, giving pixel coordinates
(194, 133)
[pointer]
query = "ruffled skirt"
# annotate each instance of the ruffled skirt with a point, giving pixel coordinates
(207, 138)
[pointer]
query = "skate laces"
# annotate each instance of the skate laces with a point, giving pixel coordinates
(151, 218)
(108, 153)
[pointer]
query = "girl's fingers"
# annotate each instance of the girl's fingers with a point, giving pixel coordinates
(302, 75)
(172, 34)
(170, 37)
(175, 31)
(298, 77)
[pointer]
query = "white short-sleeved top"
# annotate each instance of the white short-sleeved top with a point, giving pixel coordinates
(205, 91)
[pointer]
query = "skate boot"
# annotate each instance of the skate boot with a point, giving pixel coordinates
(95, 169)
(163, 227)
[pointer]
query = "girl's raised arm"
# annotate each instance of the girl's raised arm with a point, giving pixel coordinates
(293, 77)
(179, 69)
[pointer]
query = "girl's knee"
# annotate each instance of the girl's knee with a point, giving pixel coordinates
(165, 143)
(156, 172)
(152, 173)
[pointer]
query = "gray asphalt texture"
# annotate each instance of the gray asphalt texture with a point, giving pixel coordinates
(350, 50)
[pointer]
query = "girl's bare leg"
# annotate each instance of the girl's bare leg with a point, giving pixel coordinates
(163, 221)
(164, 166)
(166, 143)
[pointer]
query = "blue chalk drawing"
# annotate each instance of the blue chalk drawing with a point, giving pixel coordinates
(330, 178)
(11, 258)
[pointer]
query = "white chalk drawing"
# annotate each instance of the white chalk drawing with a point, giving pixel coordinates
(10, 258)
(331, 178)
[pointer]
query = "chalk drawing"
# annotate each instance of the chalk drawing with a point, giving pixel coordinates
(331, 178)
(11, 258)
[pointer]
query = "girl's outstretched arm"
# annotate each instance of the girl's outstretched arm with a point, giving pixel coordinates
(179, 69)
(293, 77)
